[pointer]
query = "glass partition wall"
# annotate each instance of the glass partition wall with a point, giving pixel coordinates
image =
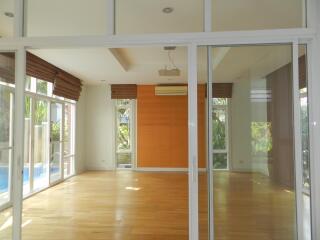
(7, 105)
(261, 186)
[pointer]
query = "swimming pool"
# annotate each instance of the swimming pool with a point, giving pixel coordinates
(39, 173)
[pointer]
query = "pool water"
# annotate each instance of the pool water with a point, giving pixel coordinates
(39, 173)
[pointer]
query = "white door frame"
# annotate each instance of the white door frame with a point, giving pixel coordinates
(193, 150)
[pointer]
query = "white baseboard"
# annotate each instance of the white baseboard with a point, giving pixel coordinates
(155, 169)
(98, 168)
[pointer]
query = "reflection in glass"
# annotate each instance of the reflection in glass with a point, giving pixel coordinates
(304, 125)
(256, 194)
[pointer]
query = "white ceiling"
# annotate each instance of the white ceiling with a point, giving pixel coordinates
(93, 65)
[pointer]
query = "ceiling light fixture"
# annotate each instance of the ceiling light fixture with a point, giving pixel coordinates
(9, 14)
(167, 10)
(173, 70)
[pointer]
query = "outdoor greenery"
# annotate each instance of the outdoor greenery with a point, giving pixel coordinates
(219, 129)
(123, 138)
(41, 112)
(5, 114)
(42, 87)
(261, 138)
(220, 161)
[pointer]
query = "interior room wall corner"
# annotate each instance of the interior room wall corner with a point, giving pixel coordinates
(80, 133)
(99, 128)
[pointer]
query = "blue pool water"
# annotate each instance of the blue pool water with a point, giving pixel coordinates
(39, 172)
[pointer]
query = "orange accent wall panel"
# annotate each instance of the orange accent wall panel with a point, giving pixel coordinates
(162, 129)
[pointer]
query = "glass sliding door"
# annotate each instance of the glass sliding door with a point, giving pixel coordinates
(6, 142)
(7, 105)
(27, 145)
(55, 142)
(40, 144)
(254, 141)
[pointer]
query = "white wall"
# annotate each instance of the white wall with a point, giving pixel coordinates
(243, 112)
(80, 133)
(240, 145)
(99, 128)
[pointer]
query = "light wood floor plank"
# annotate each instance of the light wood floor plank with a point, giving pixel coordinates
(142, 206)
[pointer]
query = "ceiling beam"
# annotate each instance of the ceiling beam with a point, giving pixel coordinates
(122, 61)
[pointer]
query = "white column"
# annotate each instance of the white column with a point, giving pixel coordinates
(193, 143)
(18, 143)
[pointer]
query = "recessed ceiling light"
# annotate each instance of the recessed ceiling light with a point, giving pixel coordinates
(167, 10)
(9, 14)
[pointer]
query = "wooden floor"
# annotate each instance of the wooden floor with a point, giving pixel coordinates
(142, 206)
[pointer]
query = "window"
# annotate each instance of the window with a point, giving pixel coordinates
(220, 133)
(6, 143)
(38, 86)
(69, 136)
(124, 133)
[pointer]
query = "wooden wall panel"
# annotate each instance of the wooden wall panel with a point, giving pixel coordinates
(162, 129)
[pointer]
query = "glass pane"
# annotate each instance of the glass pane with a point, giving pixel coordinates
(69, 118)
(66, 17)
(219, 129)
(220, 161)
(304, 124)
(68, 166)
(41, 144)
(123, 131)
(42, 87)
(6, 18)
(124, 160)
(257, 186)
(158, 16)
(27, 145)
(6, 116)
(55, 140)
(5, 175)
(252, 15)
(55, 160)
(6, 224)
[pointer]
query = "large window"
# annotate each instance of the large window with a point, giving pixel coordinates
(220, 134)
(48, 138)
